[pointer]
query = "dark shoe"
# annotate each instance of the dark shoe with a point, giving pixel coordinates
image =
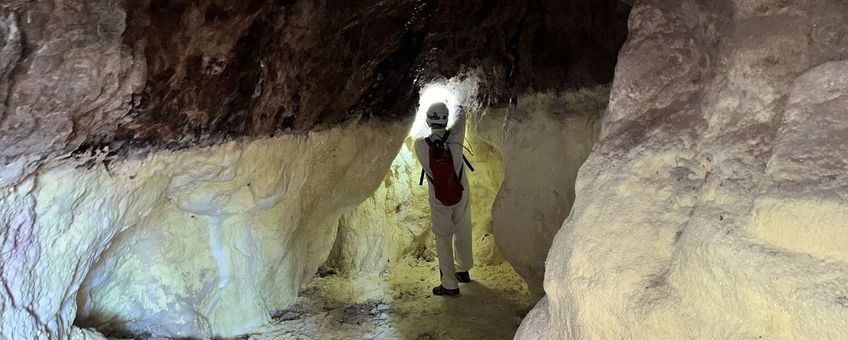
(441, 290)
(463, 277)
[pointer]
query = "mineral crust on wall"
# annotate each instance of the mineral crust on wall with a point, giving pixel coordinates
(393, 222)
(715, 205)
(195, 243)
(530, 153)
(544, 139)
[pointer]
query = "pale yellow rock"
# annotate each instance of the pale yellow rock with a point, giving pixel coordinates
(544, 140)
(198, 243)
(714, 205)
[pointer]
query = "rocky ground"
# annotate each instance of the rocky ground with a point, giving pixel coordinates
(399, 305)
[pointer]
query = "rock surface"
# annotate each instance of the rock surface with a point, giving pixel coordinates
(714, 206)
(393, 222)
(196, 243)
(544, 140)
(79, 75)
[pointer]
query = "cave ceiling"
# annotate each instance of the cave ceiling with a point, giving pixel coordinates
(83, 75)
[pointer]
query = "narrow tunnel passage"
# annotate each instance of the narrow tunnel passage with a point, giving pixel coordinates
(376, 282)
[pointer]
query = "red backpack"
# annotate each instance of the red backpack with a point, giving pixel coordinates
(446, 183)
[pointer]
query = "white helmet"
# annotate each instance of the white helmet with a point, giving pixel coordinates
(437, 116)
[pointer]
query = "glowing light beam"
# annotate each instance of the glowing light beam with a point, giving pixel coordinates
(432, 94)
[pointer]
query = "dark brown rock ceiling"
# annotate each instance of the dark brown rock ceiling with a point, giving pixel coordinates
(80, 74)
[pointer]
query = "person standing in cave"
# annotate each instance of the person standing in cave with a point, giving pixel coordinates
(441, 156)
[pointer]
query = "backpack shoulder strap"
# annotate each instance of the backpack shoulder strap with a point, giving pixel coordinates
(424, 175)
(468, 163)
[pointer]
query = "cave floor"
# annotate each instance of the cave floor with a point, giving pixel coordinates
(399, 305)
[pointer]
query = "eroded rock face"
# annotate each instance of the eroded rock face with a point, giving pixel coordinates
(715, 204)
(81, 75)
(196, 243)
(66, 78)
(544, 140)
(388, 225)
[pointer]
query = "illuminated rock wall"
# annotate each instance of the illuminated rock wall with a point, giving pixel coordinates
(393, 222)
(199, 243)
(714, 206)
(544, 139)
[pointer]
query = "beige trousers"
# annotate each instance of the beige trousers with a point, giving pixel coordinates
(452, 227)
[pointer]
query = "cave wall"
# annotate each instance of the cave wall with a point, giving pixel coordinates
(485, 183)
(714, 205)
(390, 224)
(544, 140)
(195, 243)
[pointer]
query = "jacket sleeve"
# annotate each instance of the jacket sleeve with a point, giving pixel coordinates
(457, 129)
(422, 152)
